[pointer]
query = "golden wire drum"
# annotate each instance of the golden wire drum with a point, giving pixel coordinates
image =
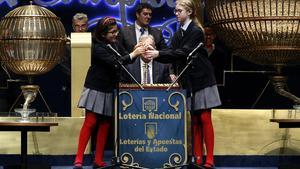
(32, 40)
(265, 32)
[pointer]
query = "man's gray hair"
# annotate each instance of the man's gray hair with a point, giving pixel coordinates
(144, 37)
(80, 16)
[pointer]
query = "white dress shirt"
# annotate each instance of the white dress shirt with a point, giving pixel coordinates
(186, 24)
(138, 32)
(150, 69)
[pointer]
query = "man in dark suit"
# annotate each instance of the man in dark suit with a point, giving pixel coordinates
(130, 35)
(147, 71)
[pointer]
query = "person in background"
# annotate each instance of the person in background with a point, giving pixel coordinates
(80, 22)
(97, 95)
(209, 40)
(217, 53)
(130, 35)
(199, 79)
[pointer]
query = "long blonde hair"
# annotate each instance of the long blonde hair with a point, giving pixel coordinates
(194, 7)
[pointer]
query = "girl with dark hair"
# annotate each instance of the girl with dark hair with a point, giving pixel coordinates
(199, 79)
(100, 82)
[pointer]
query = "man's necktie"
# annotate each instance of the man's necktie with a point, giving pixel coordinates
(182, 32)
(146, 73)
(142, 30)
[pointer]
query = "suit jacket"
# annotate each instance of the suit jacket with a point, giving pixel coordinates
(201, 73)
(160, 72)
(127, 37)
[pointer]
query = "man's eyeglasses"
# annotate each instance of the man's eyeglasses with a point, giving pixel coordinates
(80, 26)
(116, 32)
(177, 11)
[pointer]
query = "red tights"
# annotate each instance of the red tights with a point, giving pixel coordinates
(203, 131)
(85, 134)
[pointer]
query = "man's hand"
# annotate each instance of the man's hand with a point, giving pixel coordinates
(173, 77)
(151, 53)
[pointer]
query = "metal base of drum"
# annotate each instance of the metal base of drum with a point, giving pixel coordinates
(29, 92)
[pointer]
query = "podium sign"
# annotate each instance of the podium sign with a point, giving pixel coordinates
(152, 128)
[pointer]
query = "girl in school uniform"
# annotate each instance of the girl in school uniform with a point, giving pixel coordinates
(199, 80)
(97, 95)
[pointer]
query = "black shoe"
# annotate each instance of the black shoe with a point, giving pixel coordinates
(195, 166)
(208, 166)
(77, 166)
(95, 166)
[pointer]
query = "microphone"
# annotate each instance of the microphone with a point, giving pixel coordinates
(196, 48)
(116, 52)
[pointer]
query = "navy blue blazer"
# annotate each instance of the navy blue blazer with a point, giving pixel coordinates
(127, 39)
(201, 73)
(104, 72)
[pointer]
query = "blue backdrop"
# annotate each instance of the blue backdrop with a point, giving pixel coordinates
(123, 11)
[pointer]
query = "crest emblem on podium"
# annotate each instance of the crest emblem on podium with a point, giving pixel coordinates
(150, 130)
(150, 104)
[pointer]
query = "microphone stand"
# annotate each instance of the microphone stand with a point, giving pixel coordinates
(190, 59)
(134, 79)
(116, 161)
(180, 74)
(116, 58)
